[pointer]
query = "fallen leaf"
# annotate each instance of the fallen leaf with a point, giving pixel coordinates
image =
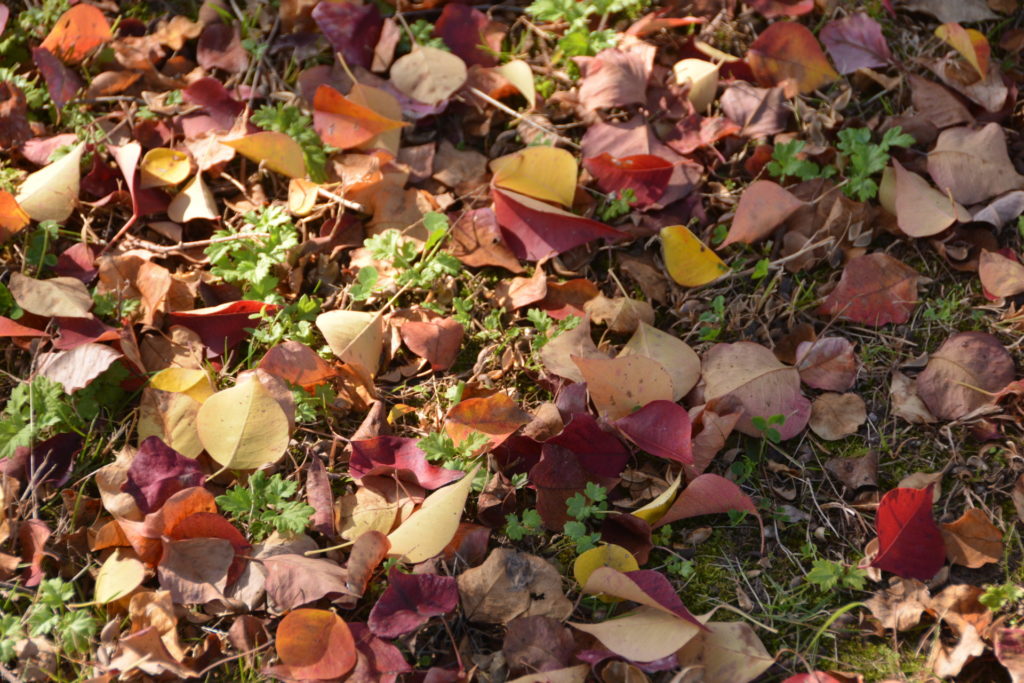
(1009, 648)
(13, 218)
(829, 363)
(759, 111)
(62, 82)
(710, 494)
(836, 416)
(163, 166)
(961, 11)
(389, 455)
(433, 525)
(534, 230)
(763, 206)
(497, 416)
(679, 360)
(661, 428)
(428, 74)
(910, 545)
(346, 124)
(77, 368)
(539, 644)
(973, 540)
(558, 354)
(158, 472)
(195, 570)
(509, 585)
(315, 644)
(64, 297)
(972, 165)
(617, 386)
(643, 634)
(540, 172)
(921, 210)
(476, 241)
(970, 43)
(436, 340)
(194, 201)
(689, 262)
(277, 151)
(243, 427)
(120, 574)
(857, 472)
(621, 314)
(604, 555)
(727, 651)
(645, 175)
(296, 363)
(788, 51)
(294, 580)
(900, 606)
(51, 193)
(613, 78)
(520, 75)
(752, 375)
(353, 30)
(875, 289)
(78, 32)
(701, 76)
(409, 601)
(999, 275)
(192, 382)
(963, 373)
(356, 337)
(855, 42)
(782, 8)
(221, 327)
(220, 47)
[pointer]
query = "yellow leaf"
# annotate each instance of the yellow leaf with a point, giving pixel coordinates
(301, 196)
(243, 427)
(195, 384)
(281, 154)
(547, 173)
(122, 573)
(608, 555)
(164, 166)
(643, 635)
(520, 75)
(657, 508)
(688, 260)
(172, 417)
(433, 526)
(50, 194)
(357, 338)
(194, 201)
(702, 76)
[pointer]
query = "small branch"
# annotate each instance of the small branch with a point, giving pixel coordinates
(184, 246)
(347, 203)
(516, 116)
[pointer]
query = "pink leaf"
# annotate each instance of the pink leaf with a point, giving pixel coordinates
(395, 454)
(409, 601)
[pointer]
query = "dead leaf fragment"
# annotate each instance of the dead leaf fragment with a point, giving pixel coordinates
(836, 416)
(509, 585)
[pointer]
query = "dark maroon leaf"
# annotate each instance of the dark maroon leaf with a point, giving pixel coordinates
(661, 428)
(516, 454)
(75, 332)
(658, 587)
(381, 661)
(220, 47)
(599, 452)
(395, 454)
(630, 532)
(158, 472)
(558, 476)
(463, 30)
(61, 82)
(910, 544)
(48, 461)
(353, 30)
(410, 600)
(218, 109)
(221, 327)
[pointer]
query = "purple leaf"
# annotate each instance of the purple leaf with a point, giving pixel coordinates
(409, 601)
(353, 30)
(158, 472)
(599, 452)
(855, 42)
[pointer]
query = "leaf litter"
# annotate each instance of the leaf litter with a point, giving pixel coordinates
(550, 342)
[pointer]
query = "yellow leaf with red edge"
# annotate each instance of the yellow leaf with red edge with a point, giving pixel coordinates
(346, 124)
(385, 104)
(970, 43)
(164, 166)
(688, 260)
(13, 218)
(787, 53)
(78, 32)
(279, 152)
(547, 173)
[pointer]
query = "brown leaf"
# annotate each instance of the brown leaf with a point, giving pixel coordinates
(901, 605)
(999, 275)
(921, 210)
(510, 585)
(836, 416)
(973, 165)
(437, 340)
(476, 241)
(857, 472)
(195, 570)
(875, 289)
(557, 355)
(497, 416)
(537, 643)
(621, 314)
(763, 206)
(905, 401)
(77, 368)
(66, 297)
(963, 373)
(294, 580)
(618, 386)
(828, 363)
(973, 541)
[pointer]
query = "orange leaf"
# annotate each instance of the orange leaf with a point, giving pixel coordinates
(497, 416)
(344, 124)
(79, 31)
(763, 206)
(970, 43)
(12, 217)
(788, 51)
(315, 644)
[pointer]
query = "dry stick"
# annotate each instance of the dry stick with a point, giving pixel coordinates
(182, 246)
(517, 116)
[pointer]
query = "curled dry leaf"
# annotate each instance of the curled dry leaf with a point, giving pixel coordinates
(970, 43)
(836, 416)
(243, 427)
(963, 373)
(999, 275)
(702, 78)
(194, 201)
(752, 375)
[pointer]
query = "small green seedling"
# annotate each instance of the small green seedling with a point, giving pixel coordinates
(264, 505)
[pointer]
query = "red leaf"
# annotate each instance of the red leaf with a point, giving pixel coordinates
(221, 327)
(535, 230)
(345, 124)
(646, 174)
(158, 472)
(436, 340)
(351, 29)
(32, 537)
(61, 82)
(711, 494)
(661, 428)
(599, 452)
(658, 587)
(409, 601)
(320, 498)
(384, 661)
(875, 289)
(12, 328)
(79, 31)
(75, 332)
(464, 29)
(782, 8)
(218, 109)
(910, 544)
(391, 454)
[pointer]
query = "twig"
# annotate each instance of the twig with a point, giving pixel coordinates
(182, 246)
(347, 203)
(517, 116)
